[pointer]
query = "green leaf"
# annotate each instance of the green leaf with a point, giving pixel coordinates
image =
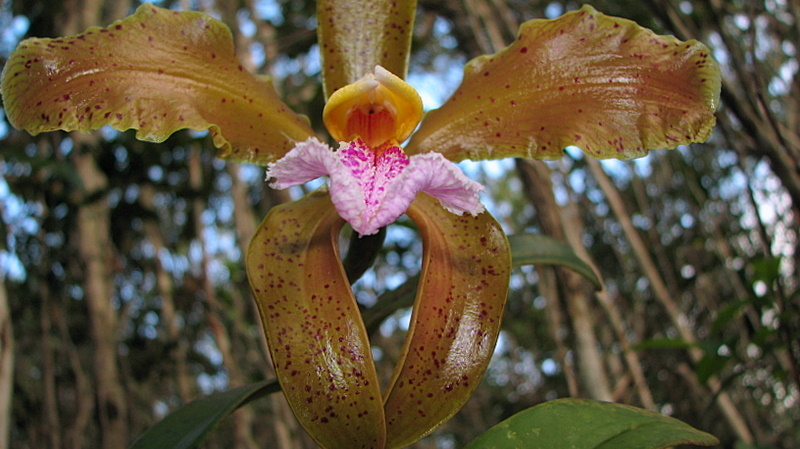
(728, 313)
(765, 269)
(711, 365)
(588, 424)
(537, 249)
(189, 426)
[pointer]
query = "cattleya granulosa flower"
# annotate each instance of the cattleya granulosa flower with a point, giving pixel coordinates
(372, 181)
(604, 84)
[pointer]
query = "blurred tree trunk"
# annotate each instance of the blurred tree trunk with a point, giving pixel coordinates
(49, 395)
(284, 422)
(96, 258)
(574, 228)
(164, 284)
(661, 292)
(77, 433)
(6, 364)
(556, 325)
(751, 122)
(243, 418)
(573, 288)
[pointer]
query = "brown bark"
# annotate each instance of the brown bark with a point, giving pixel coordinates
(574, 289)
(96, 257)
(94, 249)
(76, 433)
(50, 402)
(243, 419)
(183, 380)
(6, 365)
(555, 321)
(573, 227)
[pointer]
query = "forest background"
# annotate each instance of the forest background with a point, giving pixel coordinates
(123, 293)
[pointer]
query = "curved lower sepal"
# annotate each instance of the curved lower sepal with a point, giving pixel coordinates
(316, 336)
(455, 321)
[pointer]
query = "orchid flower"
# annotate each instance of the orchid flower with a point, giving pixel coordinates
(603, 84)
(372, 181)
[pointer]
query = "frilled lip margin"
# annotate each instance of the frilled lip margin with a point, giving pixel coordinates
(373, 190)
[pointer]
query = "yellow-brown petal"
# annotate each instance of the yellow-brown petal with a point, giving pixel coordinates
(316, 336)
(455, 321)
(157, 71)
(604, 84)
(354, 36)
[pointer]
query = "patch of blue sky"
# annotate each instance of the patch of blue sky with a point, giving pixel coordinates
(732, 187)
(399, 321)
(17, 214)
(437, 86)
(219, 272)
(268, 10)
(176, 264)
(442, 33)
(309, 64)
(12, 29)
(765, 44)
(781, 83)
(210, 383)
(718, 50)
(195, 134)
(577, 181)
(618, 170)
(789, 48)
(490, 171)
(65, 146)
(742, 21)
(501, 348)
(11, 267)
(257, 54)
(4, 129)
(622, 172)
(553, 10)
(246, 24)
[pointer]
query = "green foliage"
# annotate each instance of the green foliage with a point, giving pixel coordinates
(560, 424)
(537, 249)
(189, 426)
(588, 424)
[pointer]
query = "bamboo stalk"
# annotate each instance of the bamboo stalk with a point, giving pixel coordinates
(94, 248)
(6, 365)
(678, 318)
